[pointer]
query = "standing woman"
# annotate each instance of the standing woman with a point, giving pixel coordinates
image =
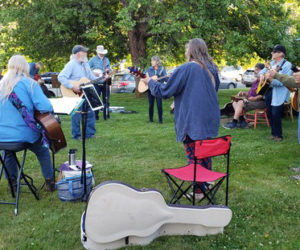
(156, 71)
(19, 97)
(193, 85)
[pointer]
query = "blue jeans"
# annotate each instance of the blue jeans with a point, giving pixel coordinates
(151, 99)
(41, 153)
(103, 91)
(274, 114)
(90, 124)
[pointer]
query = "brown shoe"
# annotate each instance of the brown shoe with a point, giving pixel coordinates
(50, 184)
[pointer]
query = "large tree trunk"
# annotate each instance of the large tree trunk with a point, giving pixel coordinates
(137, 44)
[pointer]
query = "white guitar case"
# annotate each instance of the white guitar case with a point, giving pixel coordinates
(118, 215)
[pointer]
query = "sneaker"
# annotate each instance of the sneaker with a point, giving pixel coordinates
(277, 138)
(50, 184)
(230, 125)
(297, 170)
(198, 196)
(243, 124)
(77, 138)
(295, 177)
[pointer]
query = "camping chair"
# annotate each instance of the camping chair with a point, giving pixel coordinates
(193, 174)
(15, 147)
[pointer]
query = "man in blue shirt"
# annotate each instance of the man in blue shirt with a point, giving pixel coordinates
(99, 65)
(75, 69)
(277, 94)
(34, 69)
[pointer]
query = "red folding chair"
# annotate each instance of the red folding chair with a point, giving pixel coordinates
(193, 174)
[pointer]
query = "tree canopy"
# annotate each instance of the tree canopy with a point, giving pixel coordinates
(235, 31)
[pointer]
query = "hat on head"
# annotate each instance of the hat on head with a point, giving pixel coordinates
(279, 48)
(78, 48)
(100, 50)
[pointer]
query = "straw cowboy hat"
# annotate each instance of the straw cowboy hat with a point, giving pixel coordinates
(100, 50)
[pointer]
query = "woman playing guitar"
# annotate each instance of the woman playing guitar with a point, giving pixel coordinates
(155, 71)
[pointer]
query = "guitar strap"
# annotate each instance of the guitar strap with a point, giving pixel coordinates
(28, 118)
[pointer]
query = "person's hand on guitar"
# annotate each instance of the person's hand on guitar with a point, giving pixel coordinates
(146, 79)
(270, 74)
(297, 77)
(76, 90)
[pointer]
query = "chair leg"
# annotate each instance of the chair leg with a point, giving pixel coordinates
(255, 119)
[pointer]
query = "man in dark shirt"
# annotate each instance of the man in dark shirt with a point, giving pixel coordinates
(251, 101)
(34, 69)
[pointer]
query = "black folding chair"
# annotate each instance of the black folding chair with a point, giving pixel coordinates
(22, 178)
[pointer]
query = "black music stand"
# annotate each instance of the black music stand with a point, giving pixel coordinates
(93, 100)
(106, 114)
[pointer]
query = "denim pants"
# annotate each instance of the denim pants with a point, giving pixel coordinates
(103, 93)
(274, 114)
(151, 99)
(43, 155)
(90, 124)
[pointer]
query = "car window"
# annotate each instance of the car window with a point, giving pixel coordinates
(118, 77)
(128, 77)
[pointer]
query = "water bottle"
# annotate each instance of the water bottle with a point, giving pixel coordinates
(72, 158)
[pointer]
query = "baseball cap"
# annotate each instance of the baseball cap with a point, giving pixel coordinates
(279, 48)
(78, 48)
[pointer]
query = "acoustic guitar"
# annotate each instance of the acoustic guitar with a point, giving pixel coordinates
(53, 130)
(66, 92)
(142, 87)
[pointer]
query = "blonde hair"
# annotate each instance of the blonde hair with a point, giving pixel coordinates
(17, 68)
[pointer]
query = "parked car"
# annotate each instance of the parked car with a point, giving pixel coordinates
(232, 72)
(47, 78)
(248, 77)
(227, 83)
(123, 83)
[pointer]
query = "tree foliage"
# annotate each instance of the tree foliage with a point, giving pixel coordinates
(234, 30)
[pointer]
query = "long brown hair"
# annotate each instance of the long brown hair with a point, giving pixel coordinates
(196, 50)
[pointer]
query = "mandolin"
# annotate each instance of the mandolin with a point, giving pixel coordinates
(53, 130)
(142, 87)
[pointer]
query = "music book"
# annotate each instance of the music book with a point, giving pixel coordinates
(66, 105)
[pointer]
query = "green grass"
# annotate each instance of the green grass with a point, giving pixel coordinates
(264, 201)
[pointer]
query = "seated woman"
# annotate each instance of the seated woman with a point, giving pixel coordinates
(18, 89)
(250, 101)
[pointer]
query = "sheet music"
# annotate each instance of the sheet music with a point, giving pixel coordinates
(66, 105)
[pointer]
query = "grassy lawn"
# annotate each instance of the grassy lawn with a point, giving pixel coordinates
(264, 201)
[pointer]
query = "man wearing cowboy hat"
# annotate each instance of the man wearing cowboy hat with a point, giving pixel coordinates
(99, 65)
